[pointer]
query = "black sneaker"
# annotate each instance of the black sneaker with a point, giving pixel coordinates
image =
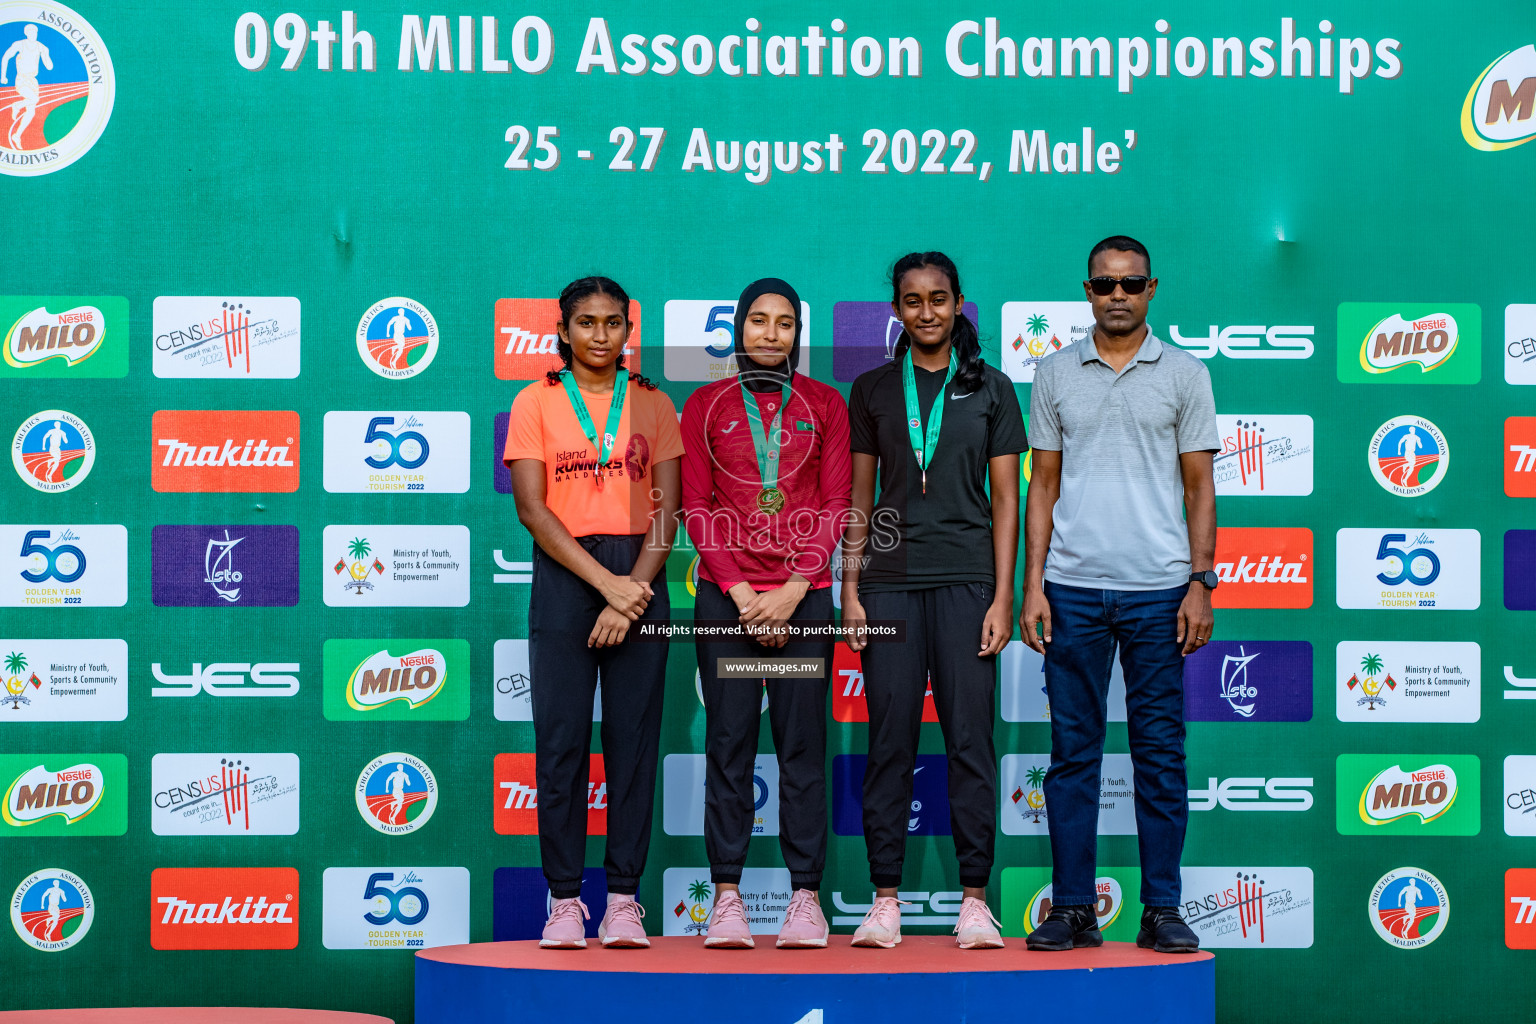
(1066, 927)
(1163, 930)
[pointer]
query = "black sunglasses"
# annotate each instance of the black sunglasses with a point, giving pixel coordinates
(1133, 285)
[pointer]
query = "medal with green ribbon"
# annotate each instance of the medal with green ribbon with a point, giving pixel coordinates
(766, 443)
(924, 442)
(604, 445)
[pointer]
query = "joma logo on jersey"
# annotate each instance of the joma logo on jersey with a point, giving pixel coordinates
(224, 451)
(1500, 109)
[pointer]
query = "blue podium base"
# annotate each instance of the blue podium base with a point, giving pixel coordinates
(925, 980)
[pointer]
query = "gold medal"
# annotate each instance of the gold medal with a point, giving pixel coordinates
(770, 500)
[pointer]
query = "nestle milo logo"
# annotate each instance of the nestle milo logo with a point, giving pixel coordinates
(1396, 341)
(1500, 108)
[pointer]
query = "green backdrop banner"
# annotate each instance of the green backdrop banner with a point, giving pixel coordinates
(272, 279)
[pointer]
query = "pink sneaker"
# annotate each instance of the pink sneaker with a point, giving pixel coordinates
(728, 928)
(564, 929)
(805, 926)
(881, 927)
(977, 928)
(621, 927)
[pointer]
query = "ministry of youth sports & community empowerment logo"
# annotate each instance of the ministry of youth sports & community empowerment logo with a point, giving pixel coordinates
(56, 87)
(53, 451)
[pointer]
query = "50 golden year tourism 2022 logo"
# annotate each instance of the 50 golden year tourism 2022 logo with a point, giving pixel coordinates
(56, 87)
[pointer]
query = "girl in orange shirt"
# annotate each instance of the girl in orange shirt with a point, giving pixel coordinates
(594, 452)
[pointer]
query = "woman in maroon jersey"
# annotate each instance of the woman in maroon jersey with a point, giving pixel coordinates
(766, 478)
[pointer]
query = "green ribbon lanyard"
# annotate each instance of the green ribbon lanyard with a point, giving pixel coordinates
(766, 443)
(923, 444)
(615, 410)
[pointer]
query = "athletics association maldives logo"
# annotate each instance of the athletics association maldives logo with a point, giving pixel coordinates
(53, 451)
(1408, 456)
(396, 794)
(397, 338)
(56, 87)
(52, 909)
(1409, 908)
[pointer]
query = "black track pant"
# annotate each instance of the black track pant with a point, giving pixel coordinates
(561, 613)
(797, 714)
(943, 634)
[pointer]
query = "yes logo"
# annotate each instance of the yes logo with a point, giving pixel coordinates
(1410, 343)
(400, 680)
(1385, 794)
(64, 794)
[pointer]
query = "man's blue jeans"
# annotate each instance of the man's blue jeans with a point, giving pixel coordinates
(1086, 627)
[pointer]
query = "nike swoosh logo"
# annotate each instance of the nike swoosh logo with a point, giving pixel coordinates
(956, 398)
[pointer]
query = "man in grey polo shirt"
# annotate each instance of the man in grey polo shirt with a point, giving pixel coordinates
(1120, 538)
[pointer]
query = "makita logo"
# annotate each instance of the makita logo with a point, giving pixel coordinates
(526, 343)
(225, 451)
(1263, 567)
(233, 453)
(254, 910)
(1265, 570)
(523, 797)
(515, 811)
(224, 908)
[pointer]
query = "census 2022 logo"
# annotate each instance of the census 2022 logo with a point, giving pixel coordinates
(397, 452)
(1500, 108)
(208, 336)
(50, 59)
(53, 451)
(397, 338)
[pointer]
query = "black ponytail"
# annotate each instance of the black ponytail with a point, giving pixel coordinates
(570, 297)
(964, 337)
